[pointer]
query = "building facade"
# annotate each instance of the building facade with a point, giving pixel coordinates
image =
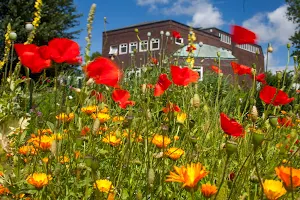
(154, 40)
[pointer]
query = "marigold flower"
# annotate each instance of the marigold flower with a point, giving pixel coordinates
(112, 139)
(89, 109)
(77, 154)
(118, 119)
(273, 189)
(104, 185)
(208, 190)
(65, 117)
(44, 131)
(43, 142)
(286, 174)
(181, 117)
(39, 180)
(64, 159)
(174, 153)
(4, 190)
(45, 160)
(176, 137)
(161, 141)
(103, 117)
(189, 176)
(27, 149)
(85, 130)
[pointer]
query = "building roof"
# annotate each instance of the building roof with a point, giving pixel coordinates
(206, 51)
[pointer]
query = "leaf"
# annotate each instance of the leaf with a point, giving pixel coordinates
(125, 194)
(50, 125)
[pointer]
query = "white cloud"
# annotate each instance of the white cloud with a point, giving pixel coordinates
(151, 2)
(272, 26)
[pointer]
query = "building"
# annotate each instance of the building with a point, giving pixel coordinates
(155, 40)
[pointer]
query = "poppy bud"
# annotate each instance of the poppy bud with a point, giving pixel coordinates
(254, 114)
(273, 121)
(144, 87)
(90, 81)
(29, 27)
(295, 58)
(12, 36)
(257, 139)
(254, 179)
(151, 176)
(205, 108)
(288, 45)
(231, 148)
(279, 75)
(148, 114)
(136, 30)
(218, 54)
(96, 125)
(195, 101)
(270, 48)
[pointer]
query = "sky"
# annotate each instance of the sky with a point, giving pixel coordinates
(264, 17)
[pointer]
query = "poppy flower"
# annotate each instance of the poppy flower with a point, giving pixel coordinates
(274, 96)
(241, 69)
(183, 76)
(99, 96)
(176, 34)
(231, 126)
(285, 121)
(121, 97)
(31, 57)
(260, 78)
(216, 69)
(104, 71)
(154, 61)
(162, 85)
(289, 175)
(64, 50)
(171, 107)
(241, 35)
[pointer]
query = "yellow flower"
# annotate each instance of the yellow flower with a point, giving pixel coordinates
(43, 142)
(89, 109)
(273, 189)
(190, 61)
(112, 139)
(65, 117)
(189, 176)
(286, 174)
(64, 159)
(208, 190)
(27, 149)
(103, 117)
(45, 160)
(176, 137)
(39, 180)
(44, 131)
(104, 185)
(181, 117)
(118, 119)
(174, 153)
(161, 141)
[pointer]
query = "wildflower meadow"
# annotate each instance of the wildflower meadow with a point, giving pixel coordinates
(163, 135)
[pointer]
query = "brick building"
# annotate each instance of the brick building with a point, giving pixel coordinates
(156, 41)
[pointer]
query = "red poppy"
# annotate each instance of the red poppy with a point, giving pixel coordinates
(99, 96)
(216, 69)
(162, 85)
(274, 96)
(231, 126)
(171, 107)
(241, 69)
(183, 76)
(121, 97)
(64, 50)
(30, 57)
(240, 35)
(154, 61)
(191, 48)
(261, 78)
(285, 121)
(104, 71)
(176, 34)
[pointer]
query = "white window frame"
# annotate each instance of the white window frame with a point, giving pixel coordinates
(154, 41)
(122, 46)
(142, 44)
(179, 43)
(131, 44)
(112, 51)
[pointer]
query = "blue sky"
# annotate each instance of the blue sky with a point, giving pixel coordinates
(264, 17)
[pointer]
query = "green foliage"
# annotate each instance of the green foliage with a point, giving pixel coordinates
(293, 14)
(95, 55)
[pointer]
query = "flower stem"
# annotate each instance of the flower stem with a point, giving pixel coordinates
(223, 176)
(258, 175)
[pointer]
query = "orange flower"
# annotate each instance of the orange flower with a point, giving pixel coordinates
(104, 185)
(171, 108)
(189, 176)
(176, 137)
(43, 142)
(112, 139)
(39, 180)
(174, 153)
(273, 189)
(85, 130)
(4, 190)
(27, 149)
(44, 131)
(45, 160)
(118, 119)
(103, 117)
(208, 190)
(89, 109)
(286, 174)
(161, 141)
(77, 154)
(65, 117)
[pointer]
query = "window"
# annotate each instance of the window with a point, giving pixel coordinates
(132, 46)
(123, 48)
(179, 41)
(113, 50)
(154, 44)
(143, 45)
(225, 38)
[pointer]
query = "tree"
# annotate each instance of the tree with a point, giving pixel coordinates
(95, 55)
(59, 18)
(293, 13)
